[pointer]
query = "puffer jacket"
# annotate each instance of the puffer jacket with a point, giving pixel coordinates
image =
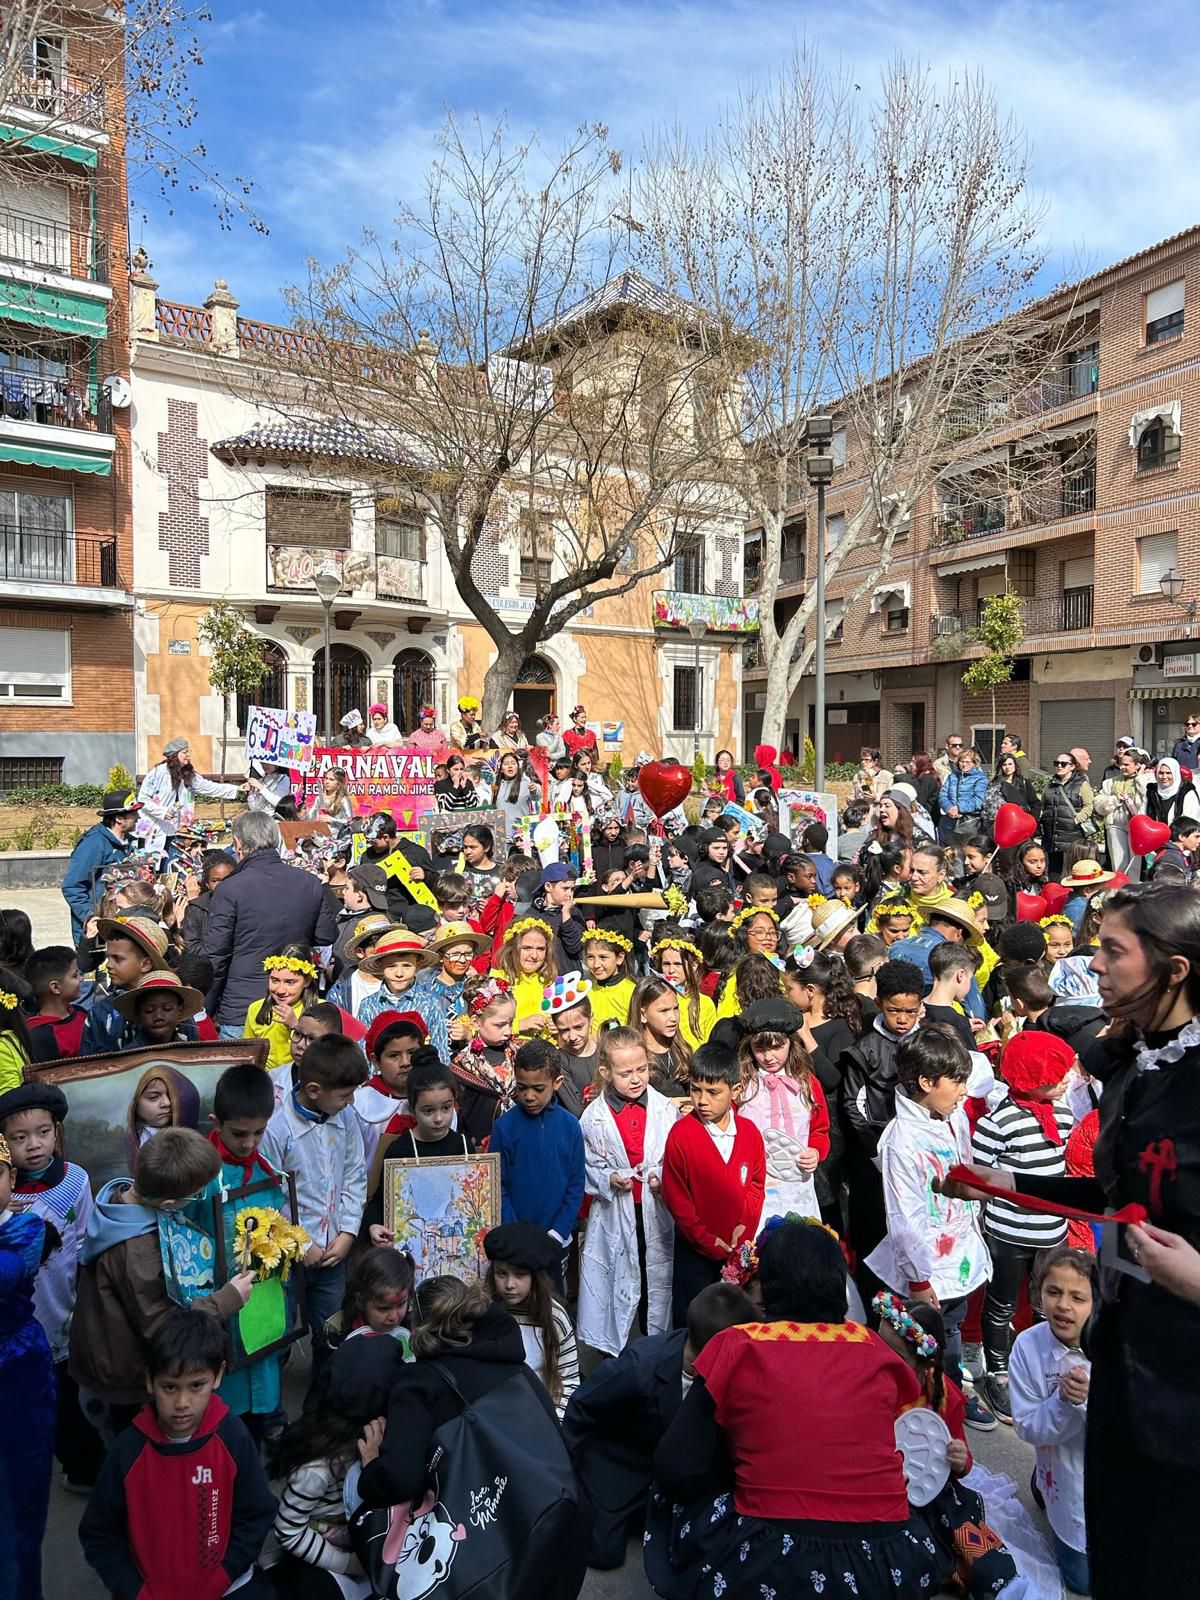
(1064, 807)
(964, 790)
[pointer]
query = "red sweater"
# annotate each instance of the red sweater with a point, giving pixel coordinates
(708, 1197)
(840, 1464)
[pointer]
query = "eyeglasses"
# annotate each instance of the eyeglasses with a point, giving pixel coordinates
(1193, 722)
(1064, 763)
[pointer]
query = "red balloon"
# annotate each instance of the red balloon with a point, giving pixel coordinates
(1031, 907)
(1145, 835)
(1056, 896)
(1012, 826)
(664, 785)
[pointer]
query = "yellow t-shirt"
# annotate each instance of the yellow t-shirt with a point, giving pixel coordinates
(12, 1062)
(280, 1047)
(610, 1002)
(527, 992)
(708, 1015)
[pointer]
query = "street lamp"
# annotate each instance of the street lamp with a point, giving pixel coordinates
(1172, 585)
(327, 581)
(818, 468)
(697, 630)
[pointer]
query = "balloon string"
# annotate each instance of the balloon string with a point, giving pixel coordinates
(1028, 1202)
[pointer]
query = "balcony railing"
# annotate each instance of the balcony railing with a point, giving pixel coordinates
(1074, 380)
(57, 555)
(365, 575)
(952, 524)
(53, 402)
(60, 95)
(791, 569)
(1073, 497)
(54, 247)
(1069, 612)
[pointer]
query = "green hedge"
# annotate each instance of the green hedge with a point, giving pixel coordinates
(55, 794)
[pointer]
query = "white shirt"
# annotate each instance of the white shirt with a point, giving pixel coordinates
(1043, 1418)
(724, 1137)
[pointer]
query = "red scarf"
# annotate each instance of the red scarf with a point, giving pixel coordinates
(1041, 1110)
(384, 1087)
(247, 1163)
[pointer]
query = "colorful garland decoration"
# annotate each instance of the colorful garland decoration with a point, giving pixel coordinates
(1057, 921)
(607, 936)
(684, 945)
(527, 925)
(491, 990)
(290, 964)
(889, 1305)
(747, 912)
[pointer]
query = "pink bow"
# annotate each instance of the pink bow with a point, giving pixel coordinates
(781, 1088)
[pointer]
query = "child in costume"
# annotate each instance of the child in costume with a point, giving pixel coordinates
(654, 1012)
(438, 993)
(379, 1288)
(679, 962)
(432, 1090)
(291, 989)
(381, 1103)
(567, 1007)
(521, 1277)
(526, 962)
(607, 954)
(159, 1010)
(162, 1098)
(781, 1097)
(484, 1067)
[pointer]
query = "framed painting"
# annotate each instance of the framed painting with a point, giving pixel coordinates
(275, 1315)
(100, 1133)
(439, 1210)
(442, 832)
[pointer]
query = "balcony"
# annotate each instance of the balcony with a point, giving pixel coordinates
(365, 576)
(954, 524)
(791, 570)
(49, 421)
(57, 96)
(57, 564)
(675, 609)
(1069, 612)
(1073, 496)
(53, 247)
(1074, 380)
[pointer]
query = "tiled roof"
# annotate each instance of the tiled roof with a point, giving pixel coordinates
(339, 440)
(628, 290)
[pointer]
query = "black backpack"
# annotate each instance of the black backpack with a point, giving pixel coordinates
(501, 1511)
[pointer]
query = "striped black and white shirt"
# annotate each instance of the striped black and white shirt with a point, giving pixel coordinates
(1011, 1138)
(568, 1352)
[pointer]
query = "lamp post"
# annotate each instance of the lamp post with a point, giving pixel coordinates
(818, 468)
(327, 581)
(697, 630)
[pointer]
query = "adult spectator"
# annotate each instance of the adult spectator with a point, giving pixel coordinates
(354, 735)
(1187, 748)
(872, 780)
(263, 905)
(1120, 800)
(466, 733)
(579, 736)
(1008, 787)
(427, 735)
(952, 921)
(383, 730)
(927, 783)
(106, 841)
(509, 736)
(1171, 796)
(1010, 745)
(961, 797)
(549, 736)
(1066, 809)
(949, 754)
(169, 793)
(1082, 758)
(1113, 769)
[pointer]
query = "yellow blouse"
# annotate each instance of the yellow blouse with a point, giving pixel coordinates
(527, 992)
(12, 1062)
(610, 1002)
(280, 1047)
(708, 1015)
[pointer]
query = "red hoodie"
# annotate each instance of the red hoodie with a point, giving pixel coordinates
(178, 1519)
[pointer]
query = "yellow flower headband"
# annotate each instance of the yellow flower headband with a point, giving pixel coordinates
(816, 900)
(685, 945)
(1057, 921)
(290, 964)
(605, 936)
(527, 925)
(747, 912)
(895, 908)
(8, 1001)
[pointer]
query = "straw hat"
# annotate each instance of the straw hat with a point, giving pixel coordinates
(146, 934)
(128, 1004)
(395, 942)
(1086, 875)
(956, 911)
(831, 920)
(459, 933)
(365, 930)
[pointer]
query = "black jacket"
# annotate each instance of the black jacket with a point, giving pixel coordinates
(195, 921)
(868, 1071)
(263, 905)
(1059, 804)
(421, 1402)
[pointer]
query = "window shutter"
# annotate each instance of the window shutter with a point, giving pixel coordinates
(1164, 302)
(309, 517)
(38, 656)
(1077, 574)
(835, 530)
(1157, 554)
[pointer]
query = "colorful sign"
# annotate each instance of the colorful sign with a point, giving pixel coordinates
(799, 807)
(383, 778)
(282, 738)
(720, 613)
(612, 732)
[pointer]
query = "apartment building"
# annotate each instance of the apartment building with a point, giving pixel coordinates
(247, 499)
(1099, 541)
(66, 616)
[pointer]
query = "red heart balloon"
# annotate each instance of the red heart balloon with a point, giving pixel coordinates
(1012, 826)
(1145, 835)
(1056, 896)
(1031, 907)
(664, 785)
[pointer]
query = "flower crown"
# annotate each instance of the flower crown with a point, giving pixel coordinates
(8, 1001)
(684, 945)
(895, 908)
(891, 1306)
(491, 990)
(526, 925)
(606, 936)
(1057, 921)
(816, 900)
(745, 914)
(290, 964)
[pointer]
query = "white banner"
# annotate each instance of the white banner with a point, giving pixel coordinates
(282, 738)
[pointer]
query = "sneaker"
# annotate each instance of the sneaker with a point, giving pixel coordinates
(978, 1416)
(973, 1366)
(73, 1486)
(995, 1391)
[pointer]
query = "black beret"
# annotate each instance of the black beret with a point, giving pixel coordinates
(524, 1245)
(773, 1015)
(34, 1096)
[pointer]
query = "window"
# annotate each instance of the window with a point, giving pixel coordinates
(272, 691)
(896, 620)
(29, 772)
(1158, 446)
(835, 530)
(689, 567)
(837, 448)
(752, 553)
(312, 518)
(655, 398)
(1157, 554)
(35, 664)
(1022, 573)
(537, 545)
(1081, 369)
(45, 57)
(792, 553)
(987, 740)
(834, 621)
(685, 700)
(36, 536)
(1164, 313)
(704, 412)
(402, 537)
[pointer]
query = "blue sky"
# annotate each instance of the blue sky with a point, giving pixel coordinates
(333, 110)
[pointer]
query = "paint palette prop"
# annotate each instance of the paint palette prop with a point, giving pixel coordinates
(923, 1439)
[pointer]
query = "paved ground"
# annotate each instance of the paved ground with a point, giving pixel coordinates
(47, 910)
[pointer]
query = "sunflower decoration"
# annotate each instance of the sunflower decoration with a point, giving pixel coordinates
(267, 1243)
(677, 902)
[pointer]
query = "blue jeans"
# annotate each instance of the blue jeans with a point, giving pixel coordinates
(231, 1030)
(324, 1291)
(1073, 1565)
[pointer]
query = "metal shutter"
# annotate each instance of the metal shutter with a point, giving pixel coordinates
(1077, 722)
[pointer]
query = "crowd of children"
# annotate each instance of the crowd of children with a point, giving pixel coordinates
(659, 1092)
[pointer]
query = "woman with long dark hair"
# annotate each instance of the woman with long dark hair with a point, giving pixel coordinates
(927, 782)
(727, 780)
(1008, 787)
(1143, 1436)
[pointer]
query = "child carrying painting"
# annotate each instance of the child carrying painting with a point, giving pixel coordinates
(431, 1100)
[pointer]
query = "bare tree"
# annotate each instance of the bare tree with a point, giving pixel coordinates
(876, 252)
(512, 389)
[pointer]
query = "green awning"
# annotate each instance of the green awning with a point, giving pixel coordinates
(59, 460)
(48, 144)
(75, 314)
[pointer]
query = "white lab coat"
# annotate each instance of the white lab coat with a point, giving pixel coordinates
(1042, 1418)
(166, 809)
(609, 1275)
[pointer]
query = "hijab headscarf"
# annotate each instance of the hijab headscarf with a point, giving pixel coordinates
(1168, 791)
